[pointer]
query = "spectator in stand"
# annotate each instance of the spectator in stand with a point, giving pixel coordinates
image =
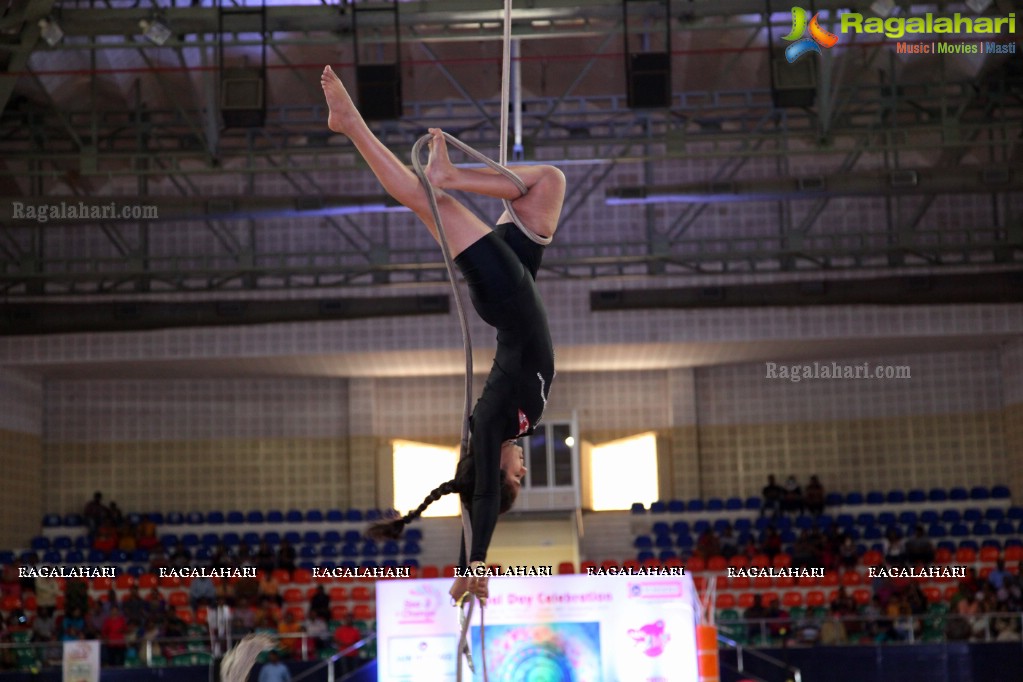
(316, 627)
(244, 617)
(843, 604)
(72, 626)
(286, 557)
(265, 559)
(971, 583)
(848, 555)
(319, 603)
(707, 544)
(246, 588)
(998, 576)
(273, 670)
(134, 606)
(804, 552)
(727, 542)
(114, 632)
(792, 501)
(106, 538)
(813, 496)
(243, 557)
(873, 623)
(145, 533)
(345, 636)
(269, 588)
(94, 513)
(156, 605)
(47, 590)
(202, 592)
(221, 557)
(265, 614)
(967, 612)
(919, 550)
(288, 630)
(114, 515)
(76, 596)
(158, 559)
(126, 540)
(771, 544)
(894, 548)
(833, 630)
(181, 557)
(44, 625)
(772, 496)
(754, 616)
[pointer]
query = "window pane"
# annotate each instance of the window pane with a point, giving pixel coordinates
(562, 454)
(624, 471)
(538, 459)
(418, 469)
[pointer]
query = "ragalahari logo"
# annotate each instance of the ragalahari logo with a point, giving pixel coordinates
(818, 36)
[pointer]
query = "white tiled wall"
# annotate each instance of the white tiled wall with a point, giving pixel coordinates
(21, 460)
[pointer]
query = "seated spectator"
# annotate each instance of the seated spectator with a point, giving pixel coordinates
(286, 557)
(158, 559)
(288, 630)
(813, 497)
(114, 631)
(843, 604)
(181, 557)
(833, 631)
(772, 496)
(44, 626)
(265, 559)
(72, 626)
(221, 557)
(772, 542)
(273, 670)
(156, 605)
(134, 606)
(202, 592)
(265, 614)
(707, 544)
(346, 635)
(319, 603)
(126, 541)
(244, 620)
(792, 501)
(919, 550)
(998, 576)
(145, 534)
(754, 615)
(243, 557)
(94, 513)
(247, 589)
(106, 538)
(316, 627)
(729, 546)
(894, 548)
(269, 588)
(114, 515)
(804, 553)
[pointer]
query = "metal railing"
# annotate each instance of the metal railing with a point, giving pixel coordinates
(795, 675)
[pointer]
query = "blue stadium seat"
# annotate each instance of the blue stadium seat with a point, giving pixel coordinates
(853, 532)
(293, 537)
(40, 543)
(788, 536)
(994, 514)
(1000, 492)
(658, 507)
(742, 525)
(661, 527)
(210, 540)
(972, 515)
(753, 503)
(272, 538)
(833, 499)
(335, 516)
(700, 526)
(680, 528)
(1020, 531)
(721, 525)
(74, 556)
(872, 533)
(329, 551)
(348, 564)
(875, 497)
(824, 521)
(643, 542)
(334, 538)
(96, 556)
(958, 494)
(886, 518)
(982, 528)
(845, 520)
(928, 516)
(414, 534)
(140, 556)
(7, 556)
(645, 556)
(762, 523)
(409, 561)
(82, 542)
(896, 496)
(63, 543)
(916, 495)
(1013, 542)
(783, 523)
(195, 518)
(169, 540)
(664, 541)
(174, 519)
(349, 550)
(52, 556)
(74, 520)
(294, 516)
(854, 498)
(354, 515)
(312, 537)
(308, 552)
(676, 506)
(969, 544)
(1014, 513)
(804, 522)
(370, 549)
(947, 545)
(951, 516)
(936, 530)
(314, 516)
(190, 540)
(373, 515)
(203, 554)
(959, 530)
(275, 516)
(990, 542)
(937, 495)
(1005, 528)
(908, 517)
(369, 564)
(865, 519)
(215, 518)
(255, 516)
(733, 504)
(389, 563)
(52, 521)
(411, 547)
(979, 492)
(666, 555)
(695, 505)
(638, 508)
(137, 570)
(235, 517)
(352, 536)
(715, 504)
(251, 538)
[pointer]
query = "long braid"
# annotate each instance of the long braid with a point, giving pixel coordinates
(391, 530)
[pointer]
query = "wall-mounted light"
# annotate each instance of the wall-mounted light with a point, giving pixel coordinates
(155, 31)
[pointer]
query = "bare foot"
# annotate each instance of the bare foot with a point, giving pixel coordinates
(439, 169)
(343, 114)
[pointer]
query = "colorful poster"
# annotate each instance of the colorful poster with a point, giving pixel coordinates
(81, 661)
(567, 628)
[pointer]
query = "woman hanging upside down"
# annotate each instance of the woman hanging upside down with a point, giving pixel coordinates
(500, 267)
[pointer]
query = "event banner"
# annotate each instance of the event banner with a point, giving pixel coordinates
(567, 628)
(81, 661)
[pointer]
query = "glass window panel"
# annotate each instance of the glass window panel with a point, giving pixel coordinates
(560, 439)
(537, 462)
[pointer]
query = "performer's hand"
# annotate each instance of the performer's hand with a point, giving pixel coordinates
(478, 584)
(458, 588)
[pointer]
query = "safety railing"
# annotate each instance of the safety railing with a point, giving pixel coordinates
(742, 652)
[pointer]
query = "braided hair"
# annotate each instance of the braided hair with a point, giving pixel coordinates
(463, 484)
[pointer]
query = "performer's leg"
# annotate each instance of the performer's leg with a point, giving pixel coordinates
(461, 227)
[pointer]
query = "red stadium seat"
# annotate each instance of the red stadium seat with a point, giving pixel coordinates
(10, 602)
(338, 594)
(449, 570)
(431, 572)
(297, 612)
(872, 557)
(338, 612)
(609, 565)
(652, 563)
(785, 581)
(830, 579)
(1013, 554)
(989, 555)
(125, 581)
(851, 579)
(700, 583)
(185, 616)
(717, 563)
(758, 560)
(737, 561)
(566, 567)
(942, 555)
(281, 575)
(950, 592)
(791, 598)
(815, 598)
(966, 555)
(725, 601)
(148, 581)
(675, 562)
(861, 596)
(363, 612)
(739, 582)
(932, 593)
(102, 583)
(763, 583)
(769, 598)
(301, 576)
(178, 598)
(361, 593)
(202, 615)
(170, 581)
(29, 602)
(293, 595)
(745, 600)
(782, 560)
(631, 563)
(807, 581)
(696, 564)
